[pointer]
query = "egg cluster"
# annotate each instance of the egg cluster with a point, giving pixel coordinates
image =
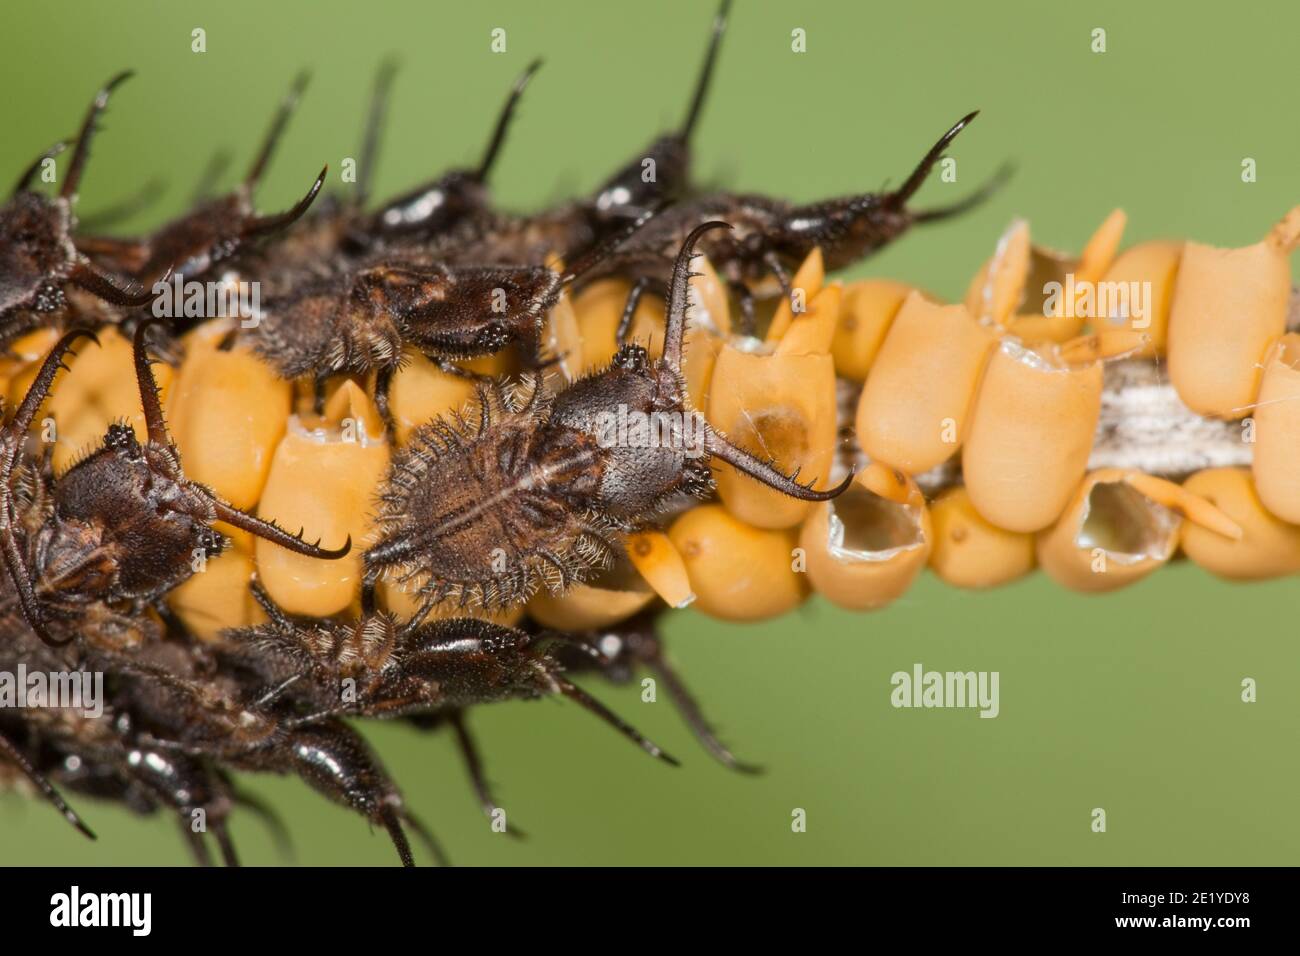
(513, 441)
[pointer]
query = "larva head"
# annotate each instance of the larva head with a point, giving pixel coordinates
(653, 444)
(852, 228)
(37, 256)
(126, 524)
(661, 171)
(481, 309)
(435, 207)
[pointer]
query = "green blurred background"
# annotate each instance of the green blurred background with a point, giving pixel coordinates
(1129, 702)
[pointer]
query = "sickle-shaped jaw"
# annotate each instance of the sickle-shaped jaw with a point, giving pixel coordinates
(103, 286)
(79, 156)
(270, 531)
(264, 225)
(155, 424)
(897, 200)
(991, 186)
(156, 427)
(764, 473)
(581, 697)
(679, 289)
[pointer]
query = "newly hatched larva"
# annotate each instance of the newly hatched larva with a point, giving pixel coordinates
(658, 442)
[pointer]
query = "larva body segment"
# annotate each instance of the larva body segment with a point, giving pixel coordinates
(483, 512)
(866, 548)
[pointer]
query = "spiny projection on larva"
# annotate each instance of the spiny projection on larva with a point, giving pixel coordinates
(533, 495)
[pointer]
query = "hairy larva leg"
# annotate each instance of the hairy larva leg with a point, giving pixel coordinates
(10, 752)
(651, 654)
(623, 649)
(336, 762)
(474, 767)
(197, 846)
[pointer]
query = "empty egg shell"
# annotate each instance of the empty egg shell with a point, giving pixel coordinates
(1110, 535)
(779, 405)
(866, 547)
(1046, 313)
(804, 287)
